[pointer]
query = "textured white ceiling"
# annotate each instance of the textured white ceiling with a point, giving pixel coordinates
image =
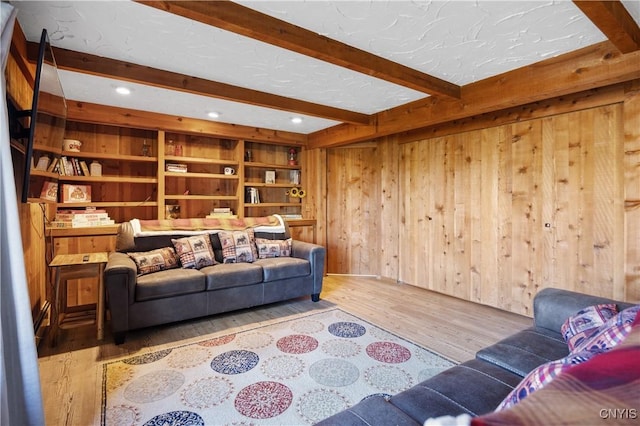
(459, 41)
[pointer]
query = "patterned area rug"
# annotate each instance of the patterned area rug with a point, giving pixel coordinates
(294, 372)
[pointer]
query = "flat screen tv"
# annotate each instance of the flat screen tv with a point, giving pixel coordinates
(45, 121)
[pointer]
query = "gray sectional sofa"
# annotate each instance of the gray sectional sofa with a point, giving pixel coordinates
(136, 301)
(478, 386)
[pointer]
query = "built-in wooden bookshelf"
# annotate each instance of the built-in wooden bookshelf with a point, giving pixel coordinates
(275, 195)
(145, 172)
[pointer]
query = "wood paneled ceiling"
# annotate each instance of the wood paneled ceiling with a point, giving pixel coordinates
(353, 70)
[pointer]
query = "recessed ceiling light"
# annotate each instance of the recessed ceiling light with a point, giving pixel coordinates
(296, 120)
(214, 114)
(123, 90)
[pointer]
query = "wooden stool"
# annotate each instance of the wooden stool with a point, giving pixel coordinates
(72, 267)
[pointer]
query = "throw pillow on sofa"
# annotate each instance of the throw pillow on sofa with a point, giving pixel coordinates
(607, 336)
(238, 246)
(273, 248)
(584, 323)
(155, 260)
(612, 332)
(195, 252)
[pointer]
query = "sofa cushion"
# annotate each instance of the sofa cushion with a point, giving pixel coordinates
(526, 350)
(155, 260)
(238, 246)
(599, 391)
(552, 306)
(195, 252)
(543, 375)
(273, 248)
(169, 283)
(474, 387)
(278, 268)
(576, 396)
(609, 335)
(585, 323)
(225, 275)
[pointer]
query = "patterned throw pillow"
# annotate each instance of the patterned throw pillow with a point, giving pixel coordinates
(238, 246)
(195, 252)
(607, 336)
(585, 323)
(155, 260)
(542, 375)
(610, 333)
(273, 248)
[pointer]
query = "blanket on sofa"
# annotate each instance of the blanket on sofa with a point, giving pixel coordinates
(603, 390)
(198, 225)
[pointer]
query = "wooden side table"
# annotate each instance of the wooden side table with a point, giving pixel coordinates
(71, 267)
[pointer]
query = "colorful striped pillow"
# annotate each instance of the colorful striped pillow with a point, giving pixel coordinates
(585, 323)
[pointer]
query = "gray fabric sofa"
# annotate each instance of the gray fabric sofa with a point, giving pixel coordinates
(479, 385)
(137, 301)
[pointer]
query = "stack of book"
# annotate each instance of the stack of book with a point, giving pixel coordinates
(69, 166)
(81, 218)
(222, 212)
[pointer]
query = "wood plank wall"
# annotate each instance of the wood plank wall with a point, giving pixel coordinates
(495, 214)
(632, 190)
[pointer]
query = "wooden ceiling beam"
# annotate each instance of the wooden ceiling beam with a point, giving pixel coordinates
(614, 21)
(588, 68)
(123, 117)
(242, 20)
(111, 68)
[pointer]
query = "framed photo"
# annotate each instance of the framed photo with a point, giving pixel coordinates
(270, 176)
(76, 193)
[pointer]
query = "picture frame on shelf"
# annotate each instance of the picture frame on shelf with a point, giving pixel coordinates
(270, 176)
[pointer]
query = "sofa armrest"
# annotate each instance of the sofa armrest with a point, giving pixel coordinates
(315, 254)
(120, 282)
(552, 306)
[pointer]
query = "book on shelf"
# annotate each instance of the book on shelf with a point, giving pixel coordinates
(66, 166)
(291, 216)
(76, 193)
(84, 224)
(294, 177)
(173, 167)
(84, 168)
(61, 164)
(49, 191)
(53, 164)
(222, 213)
(77, 168)
(221, 216)
(88, 209)
(80, 217)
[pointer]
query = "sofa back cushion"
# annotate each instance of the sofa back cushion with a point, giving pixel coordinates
(552, 306)
(127, 242)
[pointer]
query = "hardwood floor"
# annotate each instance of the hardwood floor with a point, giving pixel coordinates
(71, 375)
